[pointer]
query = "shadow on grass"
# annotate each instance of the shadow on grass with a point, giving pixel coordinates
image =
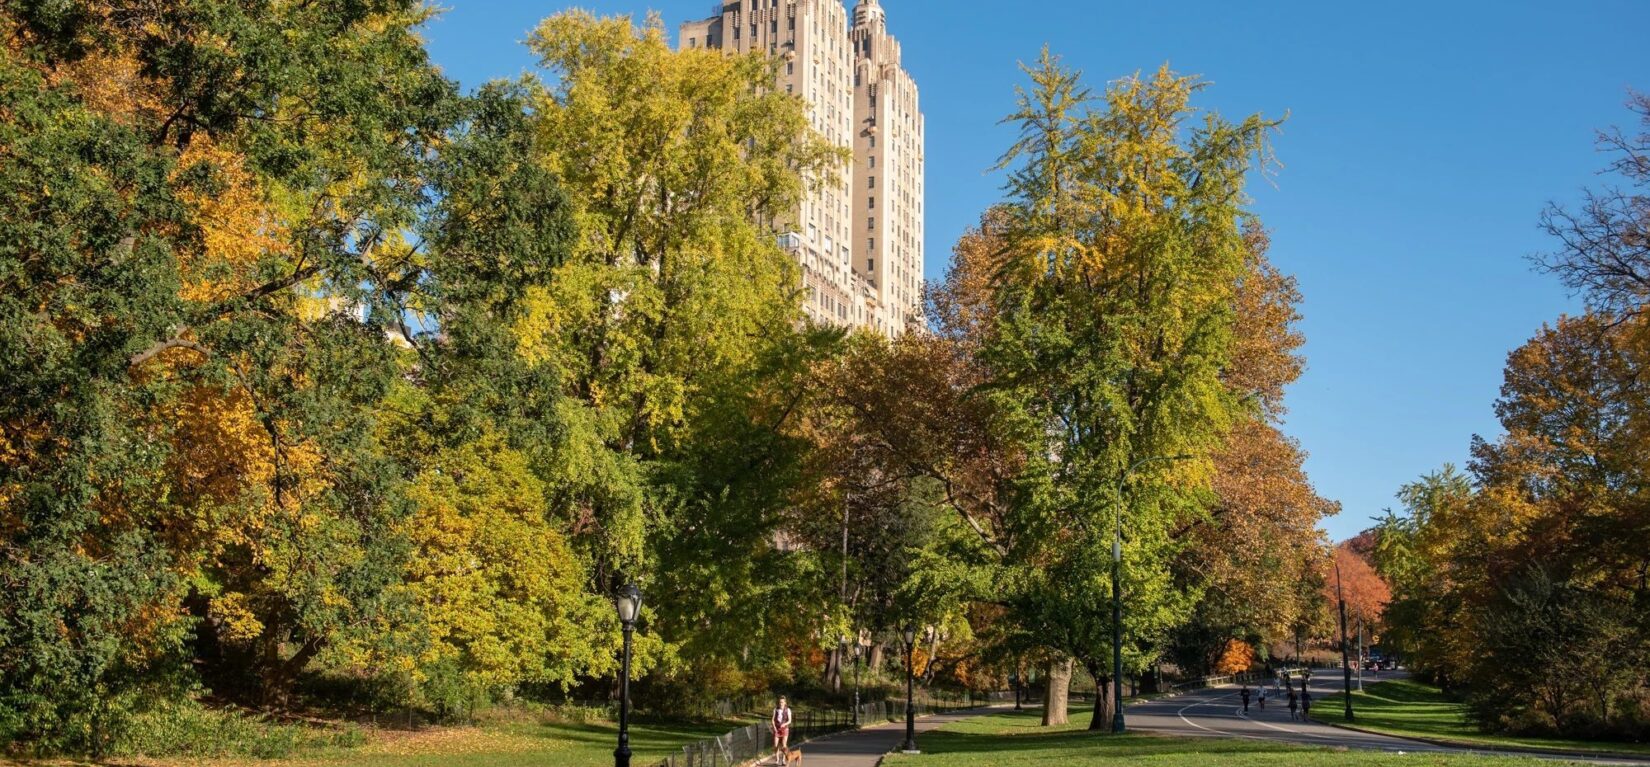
(1021, 737)
(652, 736)
(1405, 691)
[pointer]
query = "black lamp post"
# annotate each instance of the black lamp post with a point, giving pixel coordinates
(629, 604)
(909, 634)
(1346, 662)
(858, 649)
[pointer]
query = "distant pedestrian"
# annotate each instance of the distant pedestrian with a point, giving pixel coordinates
(1244, 694)
(1293, 703)
(1306, 705)
(1262, 692)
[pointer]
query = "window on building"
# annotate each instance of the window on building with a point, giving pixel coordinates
(872, 204)
(871, 222)
(870, 264)
(790, 67)
(873, 161)
(871, 244)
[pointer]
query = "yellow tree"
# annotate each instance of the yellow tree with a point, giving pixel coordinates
(671, 325)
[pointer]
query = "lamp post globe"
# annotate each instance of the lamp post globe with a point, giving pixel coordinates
(909, 634)
(628, 603)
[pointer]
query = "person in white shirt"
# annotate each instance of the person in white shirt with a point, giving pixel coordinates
(781, 730)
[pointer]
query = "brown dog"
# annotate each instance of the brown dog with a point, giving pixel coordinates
(793, 756)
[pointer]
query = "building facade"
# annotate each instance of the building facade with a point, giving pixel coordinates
(859, 240)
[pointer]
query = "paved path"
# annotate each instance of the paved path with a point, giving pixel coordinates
(865, 747)
(1218, 712)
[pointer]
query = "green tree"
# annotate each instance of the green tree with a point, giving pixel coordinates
(207, 200)
(1114, 325)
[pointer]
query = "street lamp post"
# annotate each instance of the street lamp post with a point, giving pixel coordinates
(909, 634)
(1360, 655)
(858, 649)
(629, 604)
(1346, 645)
(1117, 725)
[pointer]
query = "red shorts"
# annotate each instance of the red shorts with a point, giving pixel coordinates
(782, 732)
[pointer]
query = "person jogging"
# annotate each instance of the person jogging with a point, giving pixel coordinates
(1244, 694)
(781, 730)
(1306, 705)
(1262, 695)
(1293, 703)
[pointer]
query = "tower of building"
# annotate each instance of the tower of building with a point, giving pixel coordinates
(859, 241)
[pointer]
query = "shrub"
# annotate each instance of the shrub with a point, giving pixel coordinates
(190, 729)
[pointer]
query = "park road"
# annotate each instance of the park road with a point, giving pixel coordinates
(1218, 712)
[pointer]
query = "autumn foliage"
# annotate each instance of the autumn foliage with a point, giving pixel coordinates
(1236, 658)
(1522, 585)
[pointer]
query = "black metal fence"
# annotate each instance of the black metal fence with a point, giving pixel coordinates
(756, 740)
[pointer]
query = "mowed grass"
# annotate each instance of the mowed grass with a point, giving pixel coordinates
(1017, 739)
(509, 744)
(1409, 708)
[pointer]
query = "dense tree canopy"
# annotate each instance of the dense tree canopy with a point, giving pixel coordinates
(329, 385)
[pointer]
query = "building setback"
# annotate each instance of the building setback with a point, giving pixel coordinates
(859, 241)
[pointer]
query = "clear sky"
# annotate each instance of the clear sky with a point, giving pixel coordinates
(1422, 142)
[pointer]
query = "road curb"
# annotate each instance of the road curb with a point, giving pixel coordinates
(1470, 746)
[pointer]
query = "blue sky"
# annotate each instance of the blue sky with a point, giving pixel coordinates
(1422, 142)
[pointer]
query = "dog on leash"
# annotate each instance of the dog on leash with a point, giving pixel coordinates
(787, 757)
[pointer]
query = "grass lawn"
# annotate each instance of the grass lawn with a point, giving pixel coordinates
(1407, 707)
(1016, 739)
(510, 744)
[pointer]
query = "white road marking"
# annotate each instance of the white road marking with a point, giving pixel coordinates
(1182, 714)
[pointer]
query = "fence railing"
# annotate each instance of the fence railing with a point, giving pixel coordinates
(1247, 677)
(756, 740)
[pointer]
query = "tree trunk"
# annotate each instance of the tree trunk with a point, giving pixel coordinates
(1102, 703)
(833, 670)
(1058, 688)
(875, 661)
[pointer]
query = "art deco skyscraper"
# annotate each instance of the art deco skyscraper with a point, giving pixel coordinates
(859, 241)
